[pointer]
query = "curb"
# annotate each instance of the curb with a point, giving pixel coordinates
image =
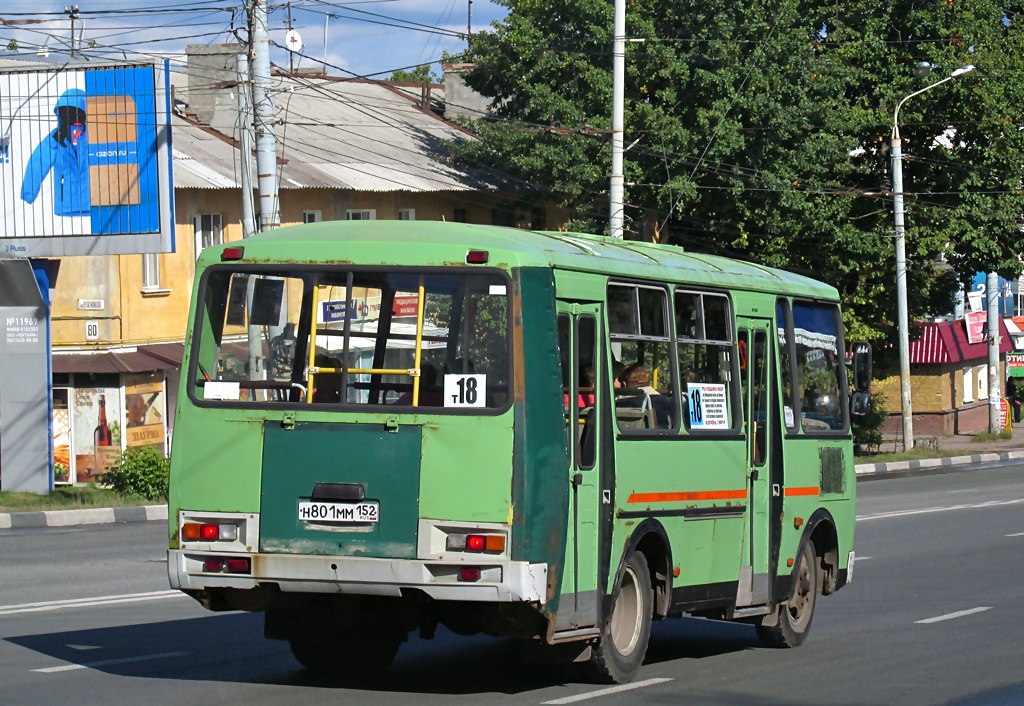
(877, 469)
(91, 516)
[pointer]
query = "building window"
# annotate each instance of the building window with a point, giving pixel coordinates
(312, 216)
(407, 214)
(982, 375)
(209, 229)
(459, 215)
(150, 271)
(361, 214)
(968, 384)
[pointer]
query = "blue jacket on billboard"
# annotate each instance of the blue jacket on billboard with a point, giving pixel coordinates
(65, 151)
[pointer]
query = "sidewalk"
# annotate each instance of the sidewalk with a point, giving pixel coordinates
(964, 449)
(967, 452)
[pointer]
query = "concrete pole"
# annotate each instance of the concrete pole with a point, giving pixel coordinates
(901, 291)
(994, 386)
(266, 141)
(617, 188)
(245, 142)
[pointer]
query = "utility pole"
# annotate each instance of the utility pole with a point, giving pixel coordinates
(266, 141)
(291, 54)
(256, 366)
(992, 293)
(616, 190)
(73, 15)
(469, 21)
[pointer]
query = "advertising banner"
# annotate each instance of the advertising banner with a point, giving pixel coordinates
(97, 431)
(60, 428)
(144, 405)
(84, 160)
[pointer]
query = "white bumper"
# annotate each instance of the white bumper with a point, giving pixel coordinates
(500, 581)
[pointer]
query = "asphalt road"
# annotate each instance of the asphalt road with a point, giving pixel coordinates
(935, 615)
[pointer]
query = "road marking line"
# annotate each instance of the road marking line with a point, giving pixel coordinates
(87, 602)
(609, 690)
(925, 511)
(107, 662)
(951, 616)
(1018, 534)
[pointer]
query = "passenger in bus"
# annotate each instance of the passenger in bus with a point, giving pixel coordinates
(430, 392)
(327, 386)
(585, 398)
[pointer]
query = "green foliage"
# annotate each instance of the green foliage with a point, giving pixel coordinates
(867, 428)
(143, 472)
(421, 74)
(760, 130)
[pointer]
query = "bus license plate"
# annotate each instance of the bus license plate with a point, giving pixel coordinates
(359, 513)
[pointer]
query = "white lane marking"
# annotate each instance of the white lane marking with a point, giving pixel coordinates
(609, 690)
(1018, 534)
(107, 662)
(928, 510)
(87, 602)
(951, 616)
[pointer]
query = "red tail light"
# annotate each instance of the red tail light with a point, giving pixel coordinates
(477, 257)
(239, 566)
(469, 573)
(231, 254)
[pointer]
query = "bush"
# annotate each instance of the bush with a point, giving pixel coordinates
(867, 428)
(142, 472)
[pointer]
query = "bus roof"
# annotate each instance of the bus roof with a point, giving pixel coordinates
(438, 243)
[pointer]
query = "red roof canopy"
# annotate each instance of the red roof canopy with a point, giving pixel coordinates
(946, 342)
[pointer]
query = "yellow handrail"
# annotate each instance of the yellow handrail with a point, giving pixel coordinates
(419, 348)
(311, 372)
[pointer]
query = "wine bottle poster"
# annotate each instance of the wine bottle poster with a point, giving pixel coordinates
(97, 431)
(144, 402)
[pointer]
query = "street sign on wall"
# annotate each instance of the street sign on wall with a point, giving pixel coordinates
(85, 164)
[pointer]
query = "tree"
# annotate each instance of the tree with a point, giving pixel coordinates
(421, 74)
(760, 130)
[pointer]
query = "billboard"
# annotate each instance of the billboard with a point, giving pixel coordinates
(85, 160)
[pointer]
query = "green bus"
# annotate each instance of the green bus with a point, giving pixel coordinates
(387, 426)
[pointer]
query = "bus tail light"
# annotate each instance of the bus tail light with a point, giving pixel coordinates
(477, 257)
(209, 532)
(230, 565)
(494, 543)
(231, 254)
(469, 573)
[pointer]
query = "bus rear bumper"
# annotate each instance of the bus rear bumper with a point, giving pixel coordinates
(499, 582)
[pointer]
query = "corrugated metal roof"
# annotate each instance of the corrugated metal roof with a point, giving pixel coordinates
(341, 135)
(946, 342)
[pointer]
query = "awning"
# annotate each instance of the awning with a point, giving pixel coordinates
(946, 342)
(1015, 326)
(144, 359)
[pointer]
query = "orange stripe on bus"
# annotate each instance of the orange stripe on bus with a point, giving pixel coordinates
(812, 490)
(678, 497)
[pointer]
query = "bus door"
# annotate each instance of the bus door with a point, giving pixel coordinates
(757, 365)
(582, 383)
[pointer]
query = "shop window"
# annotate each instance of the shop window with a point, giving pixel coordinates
(209, 230)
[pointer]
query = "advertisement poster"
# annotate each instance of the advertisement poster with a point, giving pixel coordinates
(80, 154)
(97, 444)
(61, 429)
(144, 404)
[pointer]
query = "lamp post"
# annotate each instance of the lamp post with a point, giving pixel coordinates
(901, 260)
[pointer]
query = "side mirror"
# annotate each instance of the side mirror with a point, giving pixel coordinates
(861, 366)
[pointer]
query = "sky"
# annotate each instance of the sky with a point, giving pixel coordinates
(398, 33)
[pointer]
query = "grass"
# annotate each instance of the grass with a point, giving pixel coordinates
(69, 497)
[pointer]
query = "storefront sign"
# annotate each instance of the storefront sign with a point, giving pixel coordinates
(975, 322)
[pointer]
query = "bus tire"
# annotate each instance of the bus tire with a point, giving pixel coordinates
(368, 656)
(795, 615)
(620, 651)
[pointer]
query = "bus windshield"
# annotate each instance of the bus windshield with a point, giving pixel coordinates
(360, 337)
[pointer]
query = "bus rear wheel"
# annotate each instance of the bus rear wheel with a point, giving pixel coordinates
(365, 655)
(620, 651)
(795, 615)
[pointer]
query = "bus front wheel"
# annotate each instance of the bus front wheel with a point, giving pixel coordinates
(793, 618)
(619, 653)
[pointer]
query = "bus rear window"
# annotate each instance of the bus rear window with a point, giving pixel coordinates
(340, 339)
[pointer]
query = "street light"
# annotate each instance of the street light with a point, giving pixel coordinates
(901, 260)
